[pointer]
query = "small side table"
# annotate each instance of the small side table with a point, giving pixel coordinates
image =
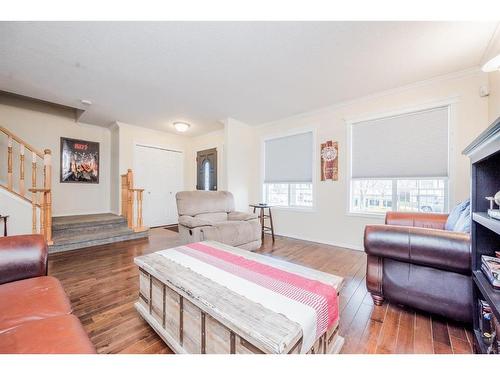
(263, 216)
(4, 224)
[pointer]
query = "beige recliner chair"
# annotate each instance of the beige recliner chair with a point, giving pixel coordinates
(210, 215)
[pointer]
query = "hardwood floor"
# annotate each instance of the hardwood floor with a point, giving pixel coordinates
(102, 283)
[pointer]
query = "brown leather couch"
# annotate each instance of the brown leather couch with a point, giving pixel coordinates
(35, 313)
(412, 260)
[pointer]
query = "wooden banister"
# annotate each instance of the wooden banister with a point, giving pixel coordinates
(14, 137)
(132, 197)
(41, 198)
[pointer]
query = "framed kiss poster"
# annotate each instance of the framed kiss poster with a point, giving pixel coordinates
(79, 161)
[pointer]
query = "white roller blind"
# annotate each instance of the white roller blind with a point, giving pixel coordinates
(289, 159)
(410, 145)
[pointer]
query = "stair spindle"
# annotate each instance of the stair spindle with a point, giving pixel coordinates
(139, 208)
(33, 218)
(22, 188)
(42, 214)
(47, 182)
(33, 186)
(9, 164)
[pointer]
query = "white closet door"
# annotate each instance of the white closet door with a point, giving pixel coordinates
(160, 173)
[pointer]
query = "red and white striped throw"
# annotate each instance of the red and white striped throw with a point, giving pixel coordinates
(281, 287)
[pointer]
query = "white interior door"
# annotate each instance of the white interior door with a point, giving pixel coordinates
(160, 173)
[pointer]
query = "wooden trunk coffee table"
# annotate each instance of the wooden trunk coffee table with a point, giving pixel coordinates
(194, 314)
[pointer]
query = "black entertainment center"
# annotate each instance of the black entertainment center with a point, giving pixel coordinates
(484, 153)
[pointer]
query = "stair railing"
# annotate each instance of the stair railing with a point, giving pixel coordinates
(40, 197)
(132, 199)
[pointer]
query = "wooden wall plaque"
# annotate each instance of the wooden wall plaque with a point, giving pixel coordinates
(329, 161)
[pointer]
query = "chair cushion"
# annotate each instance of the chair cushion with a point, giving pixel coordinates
(57, 335)
(455, 214)
(31, 299)
(214, 217)
(233, 233)
(241, 216)
(192, 203)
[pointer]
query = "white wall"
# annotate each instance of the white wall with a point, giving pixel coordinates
(203, 142)
(42, 125)
(130, 135)
(115, 180)
(494, 98)
(19, 212)
(329, 222)
(241, 157)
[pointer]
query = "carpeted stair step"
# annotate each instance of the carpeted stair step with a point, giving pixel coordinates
(81, 221)
(81, 231)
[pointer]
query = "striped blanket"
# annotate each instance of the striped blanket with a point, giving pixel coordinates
(277, 285)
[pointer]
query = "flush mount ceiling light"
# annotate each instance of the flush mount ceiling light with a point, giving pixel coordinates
(181, 126)
(492, 65)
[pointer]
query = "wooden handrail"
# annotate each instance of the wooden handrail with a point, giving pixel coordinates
(41, 198)
(20, 141)
(131, 195)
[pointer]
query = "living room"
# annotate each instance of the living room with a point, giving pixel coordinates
(173, 191)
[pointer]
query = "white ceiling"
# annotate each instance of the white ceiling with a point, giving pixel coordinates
(153, 73)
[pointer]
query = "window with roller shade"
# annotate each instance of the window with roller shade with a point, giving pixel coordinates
(400, 163)
(288, 171)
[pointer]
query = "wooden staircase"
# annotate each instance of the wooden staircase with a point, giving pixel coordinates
(68, 232)
(40, 196)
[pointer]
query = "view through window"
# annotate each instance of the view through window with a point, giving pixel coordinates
(289, 195)
(379, 196)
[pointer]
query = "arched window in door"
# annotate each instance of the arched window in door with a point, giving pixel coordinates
(206, 167)
(206, 175)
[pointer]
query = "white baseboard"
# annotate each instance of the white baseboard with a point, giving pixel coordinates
(331, 243)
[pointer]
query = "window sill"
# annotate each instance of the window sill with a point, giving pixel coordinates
(368, 215)
(294, 209)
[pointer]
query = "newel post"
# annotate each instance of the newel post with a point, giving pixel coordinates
(130, 199)
(47, 184)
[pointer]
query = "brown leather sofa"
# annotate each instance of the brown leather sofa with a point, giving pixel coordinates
(412, 260)
(35, 313)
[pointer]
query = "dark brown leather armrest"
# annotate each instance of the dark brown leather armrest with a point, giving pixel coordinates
(441, 249)
(22, 257)
(416, 219)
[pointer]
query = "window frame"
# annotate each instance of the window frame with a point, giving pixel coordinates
(282, 134)
(289, 194)
(394, 198)
(450, 103)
